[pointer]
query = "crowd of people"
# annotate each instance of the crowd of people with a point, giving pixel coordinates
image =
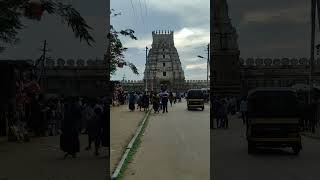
(119, 95)
(159, 101)
(222, 107)
(68, 117)
(86, 116)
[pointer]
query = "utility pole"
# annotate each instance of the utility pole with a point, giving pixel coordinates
(208, 60)
(147, 73)
(123, 78)
(313, 14)
(44, 50)
(152, 82)
(42, 59)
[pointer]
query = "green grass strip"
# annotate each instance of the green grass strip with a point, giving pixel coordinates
(134, 149)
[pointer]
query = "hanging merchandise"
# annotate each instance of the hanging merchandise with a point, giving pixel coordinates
(33, 88)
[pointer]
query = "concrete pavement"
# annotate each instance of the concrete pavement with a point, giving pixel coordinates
(175, 146)
(230, 160)
(42, 159)
(123, 124)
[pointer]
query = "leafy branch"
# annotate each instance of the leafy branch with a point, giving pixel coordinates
(11, 12)
(117, 49)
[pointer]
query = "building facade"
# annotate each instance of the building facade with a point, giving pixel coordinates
(278, 72)
(225, 67)
(139, 85)
(75, 77)
(163, 66)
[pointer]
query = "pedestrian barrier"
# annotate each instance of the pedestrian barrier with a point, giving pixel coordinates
(120, 166)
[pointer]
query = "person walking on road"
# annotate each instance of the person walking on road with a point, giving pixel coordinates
(132, 100)
(140, 102)
(164, 99)
(222, 121)
(88, 114)
(220, 112)
(224, 114)
(244, 109)
(94, 130)
(69, 139)
(160, 101)
(145, 101)
(216, 116)
(171, 98)
(156, 103)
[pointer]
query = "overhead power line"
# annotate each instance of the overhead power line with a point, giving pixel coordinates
(141, 13)
(133, 9)
(146, 7)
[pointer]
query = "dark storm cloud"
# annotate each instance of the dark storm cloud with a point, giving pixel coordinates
(60, 38)
(274, 28)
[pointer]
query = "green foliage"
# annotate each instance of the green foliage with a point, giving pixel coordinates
(117, 49)
(11, 12)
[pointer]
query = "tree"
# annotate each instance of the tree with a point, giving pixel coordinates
(117, 49)
(11, 12)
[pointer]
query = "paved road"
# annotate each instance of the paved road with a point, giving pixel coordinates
(41, 159)
(175, 146)
(230, 159)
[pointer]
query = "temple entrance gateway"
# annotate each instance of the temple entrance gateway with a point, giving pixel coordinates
(224, 52)
(163, 66)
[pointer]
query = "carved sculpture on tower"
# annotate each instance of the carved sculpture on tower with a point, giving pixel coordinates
(225, 53)
(163, 66)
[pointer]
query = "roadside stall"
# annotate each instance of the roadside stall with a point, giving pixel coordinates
(13, 98)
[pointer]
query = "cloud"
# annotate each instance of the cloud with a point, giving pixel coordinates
(185, 37)
(191, 37)
(191, 11)
(296, 15)
(196, 66)
(140, 43)
(190, 21)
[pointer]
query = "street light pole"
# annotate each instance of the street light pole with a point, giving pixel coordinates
(208, 60)
(147, 72)
(313, 14)
(207, 66)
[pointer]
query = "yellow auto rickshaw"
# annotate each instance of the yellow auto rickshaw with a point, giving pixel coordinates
(273, 119)
(195, 99)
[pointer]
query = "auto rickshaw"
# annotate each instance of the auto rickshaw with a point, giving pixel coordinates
(195, 99)
(273, 119)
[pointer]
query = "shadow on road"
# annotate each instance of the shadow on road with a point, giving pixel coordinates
(272, 152)
(194, 110)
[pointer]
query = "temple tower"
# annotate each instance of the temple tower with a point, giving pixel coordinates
(225, 53)
(163, 66)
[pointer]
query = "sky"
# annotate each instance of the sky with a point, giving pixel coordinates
(190, 21)
(273, 28)
(60, 38)
(266, 29)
